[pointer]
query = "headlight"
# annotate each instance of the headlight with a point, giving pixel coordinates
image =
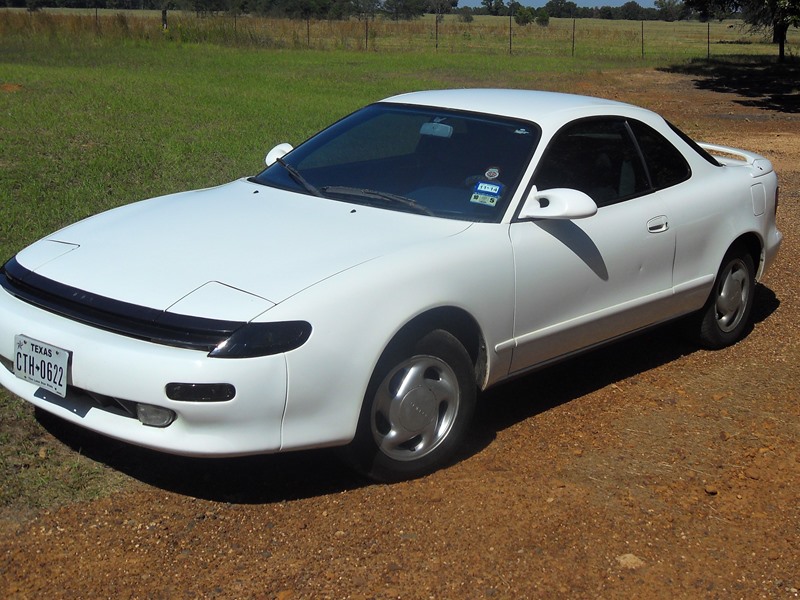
(263, 339)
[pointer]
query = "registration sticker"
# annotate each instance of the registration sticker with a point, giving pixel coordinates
(486, 193)
(41, 364)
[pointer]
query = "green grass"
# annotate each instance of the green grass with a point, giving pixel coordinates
(37, 472)
(91, 121)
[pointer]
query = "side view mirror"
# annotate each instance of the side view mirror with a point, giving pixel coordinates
(277, 152)
(557, 203)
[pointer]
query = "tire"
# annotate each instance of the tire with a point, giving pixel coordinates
(417, 410)
(725, 318)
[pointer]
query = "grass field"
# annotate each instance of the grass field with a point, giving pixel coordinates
(91, 119)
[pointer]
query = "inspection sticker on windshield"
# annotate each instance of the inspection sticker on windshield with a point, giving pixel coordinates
(486, 193)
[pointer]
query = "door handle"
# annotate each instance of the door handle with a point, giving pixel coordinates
(658, 224)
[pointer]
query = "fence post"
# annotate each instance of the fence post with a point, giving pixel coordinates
(642, 39)
(573, 37)
(708, 40)
(509, 31)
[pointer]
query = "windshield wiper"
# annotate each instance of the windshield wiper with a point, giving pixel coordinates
(377, 195)
(295, 174)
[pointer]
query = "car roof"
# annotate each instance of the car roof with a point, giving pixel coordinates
(537, 106)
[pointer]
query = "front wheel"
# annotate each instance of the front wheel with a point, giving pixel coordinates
(417, 410)
(726, 316)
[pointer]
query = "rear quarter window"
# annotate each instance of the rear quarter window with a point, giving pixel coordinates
(665, 163)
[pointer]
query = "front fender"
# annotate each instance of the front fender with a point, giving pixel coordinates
(356, 314)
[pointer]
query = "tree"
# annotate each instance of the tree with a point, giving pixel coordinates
(465, 14)
(777, 15)
(630, 11)
(343, 9)
(305, 9)
(669, 10)
(441, 7)
(523, 15)
(709, 9)
(605, 12)
(772, 15)
(203, 7)
(494, 7)
(542, 18)
(398, 10)
(561, 9)
(234, 7)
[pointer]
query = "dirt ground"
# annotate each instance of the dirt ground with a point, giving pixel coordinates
(649, 469)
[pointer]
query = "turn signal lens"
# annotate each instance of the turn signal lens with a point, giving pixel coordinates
(200, 392)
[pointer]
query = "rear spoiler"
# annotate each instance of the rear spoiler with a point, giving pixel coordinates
(731, 157)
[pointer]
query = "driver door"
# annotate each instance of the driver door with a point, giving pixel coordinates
(580, 282)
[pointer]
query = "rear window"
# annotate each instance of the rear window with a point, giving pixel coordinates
(694, 146)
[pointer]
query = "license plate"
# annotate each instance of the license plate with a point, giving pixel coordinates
(42, 364)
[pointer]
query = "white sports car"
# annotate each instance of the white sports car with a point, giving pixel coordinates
(366, 285)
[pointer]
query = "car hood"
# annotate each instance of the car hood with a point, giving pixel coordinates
(229, 252)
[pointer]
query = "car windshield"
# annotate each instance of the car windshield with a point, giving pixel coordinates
(430, 161)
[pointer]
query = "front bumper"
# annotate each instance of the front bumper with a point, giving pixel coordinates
(108, 365)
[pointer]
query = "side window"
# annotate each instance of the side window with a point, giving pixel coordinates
(666, 164)
(597, 157)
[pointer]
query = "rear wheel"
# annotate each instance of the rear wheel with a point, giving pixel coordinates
(417, 410)
(726, 316)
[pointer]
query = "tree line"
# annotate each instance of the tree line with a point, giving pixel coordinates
(665, 10)
(668, 10)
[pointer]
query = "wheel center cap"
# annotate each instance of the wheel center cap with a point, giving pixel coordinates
(418, 408)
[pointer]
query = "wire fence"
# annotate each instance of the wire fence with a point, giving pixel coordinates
(581, 38)
(561, 38)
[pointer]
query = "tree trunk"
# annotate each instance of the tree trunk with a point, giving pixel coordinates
(779, 37)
